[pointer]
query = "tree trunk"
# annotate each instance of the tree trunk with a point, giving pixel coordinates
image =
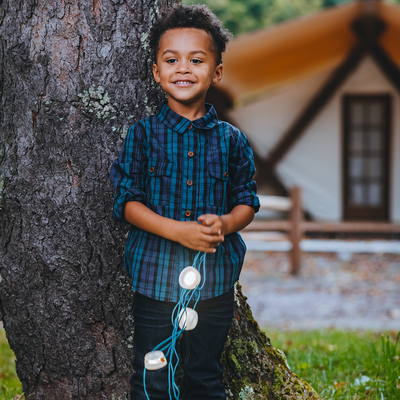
(253, 368)
(73, 76)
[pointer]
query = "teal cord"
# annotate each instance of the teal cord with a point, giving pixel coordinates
(168, 346)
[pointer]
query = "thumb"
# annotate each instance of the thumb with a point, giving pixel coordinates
(205, 220)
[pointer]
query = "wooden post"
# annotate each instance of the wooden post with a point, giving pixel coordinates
(296, 216)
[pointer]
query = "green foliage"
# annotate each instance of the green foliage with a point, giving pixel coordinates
(344, 365)
(10, 386)
(241, 16)
(339, 365)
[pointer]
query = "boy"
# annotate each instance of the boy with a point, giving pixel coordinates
(183, 181)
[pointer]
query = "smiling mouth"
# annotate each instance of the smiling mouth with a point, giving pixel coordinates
(183, 83)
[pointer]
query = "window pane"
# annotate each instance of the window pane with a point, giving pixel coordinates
(356, 112)
(356, 140)
(374, 194)
(375, 112)
(356, 194)
(356, 167)
(374, 167)
(375, 140)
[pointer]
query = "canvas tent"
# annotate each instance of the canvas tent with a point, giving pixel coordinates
(318, 98)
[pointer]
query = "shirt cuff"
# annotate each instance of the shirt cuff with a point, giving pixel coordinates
(120, 201)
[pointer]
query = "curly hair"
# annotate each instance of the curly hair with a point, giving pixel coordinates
(192, 16)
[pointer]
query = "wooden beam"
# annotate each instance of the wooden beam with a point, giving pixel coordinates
(369, 28)
(260, 226)
(338, 227)
(267, 175)
(351, 227)
(296, 218)
(316, 104)
(388, 67)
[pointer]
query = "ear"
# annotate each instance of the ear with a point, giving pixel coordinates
(217, 74)
(156, 73)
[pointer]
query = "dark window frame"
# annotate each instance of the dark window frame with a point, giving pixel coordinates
(349, 211)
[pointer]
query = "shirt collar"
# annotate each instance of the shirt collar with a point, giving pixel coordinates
(180, 124)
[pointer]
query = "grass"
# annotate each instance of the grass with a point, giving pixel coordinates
(10, 386)
(339, 365)
(344, 365)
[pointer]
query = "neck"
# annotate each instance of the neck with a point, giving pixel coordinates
(189, 111)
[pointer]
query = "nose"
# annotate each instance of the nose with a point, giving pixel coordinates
(183, 67)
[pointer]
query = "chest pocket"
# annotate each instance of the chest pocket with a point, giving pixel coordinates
(218, 183)
(158, 186)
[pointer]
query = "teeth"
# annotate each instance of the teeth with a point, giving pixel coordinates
(183, 82)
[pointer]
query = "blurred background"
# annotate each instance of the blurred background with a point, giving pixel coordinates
(314, 85)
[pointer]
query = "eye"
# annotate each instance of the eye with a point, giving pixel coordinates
(171, 60)
(196, 61)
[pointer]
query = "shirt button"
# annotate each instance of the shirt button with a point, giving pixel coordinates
(151, 169)
(225, 174)
(190, 153)
(189, 182)
(190, 126)
(188, 213)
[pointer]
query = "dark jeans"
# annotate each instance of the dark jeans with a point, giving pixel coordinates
(200, 348)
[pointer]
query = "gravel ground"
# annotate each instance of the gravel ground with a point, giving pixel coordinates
(362, 292)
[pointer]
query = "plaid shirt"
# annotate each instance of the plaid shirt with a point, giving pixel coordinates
(182, 169)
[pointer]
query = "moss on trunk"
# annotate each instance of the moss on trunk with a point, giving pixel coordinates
(254, 369)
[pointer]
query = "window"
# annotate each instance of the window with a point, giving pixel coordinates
(366, 157)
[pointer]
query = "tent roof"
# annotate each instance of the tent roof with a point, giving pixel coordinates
(258, 62)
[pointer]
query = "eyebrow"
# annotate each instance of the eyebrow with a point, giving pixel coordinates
(192, 52)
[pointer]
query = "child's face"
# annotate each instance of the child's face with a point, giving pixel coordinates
(186, 66)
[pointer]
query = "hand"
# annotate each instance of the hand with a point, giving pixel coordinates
(215, 222)
(199, 237)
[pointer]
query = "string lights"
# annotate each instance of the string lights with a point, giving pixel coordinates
(189, 278)
(155, 360)
(182, 318)
(188, 319)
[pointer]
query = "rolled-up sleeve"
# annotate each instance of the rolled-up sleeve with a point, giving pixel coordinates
(126, 172)
(242, 188)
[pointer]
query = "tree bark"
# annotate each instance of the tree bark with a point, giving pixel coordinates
(73, 76)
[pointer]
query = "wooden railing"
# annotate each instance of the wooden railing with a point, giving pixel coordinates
(296, 226)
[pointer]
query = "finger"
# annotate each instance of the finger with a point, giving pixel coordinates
(208, 219)
(206, 230)
(206, 248)
(203, 217)
(213, 239)
(217, 241)
(209, 250)
(215, 229)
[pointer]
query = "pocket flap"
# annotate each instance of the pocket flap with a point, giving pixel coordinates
(218, 170)
(159, 167)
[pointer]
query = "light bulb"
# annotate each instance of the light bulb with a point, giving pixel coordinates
(155, 360)
(188, 319)
(189, 278)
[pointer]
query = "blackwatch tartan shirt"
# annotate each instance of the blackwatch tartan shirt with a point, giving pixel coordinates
(182, 169)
